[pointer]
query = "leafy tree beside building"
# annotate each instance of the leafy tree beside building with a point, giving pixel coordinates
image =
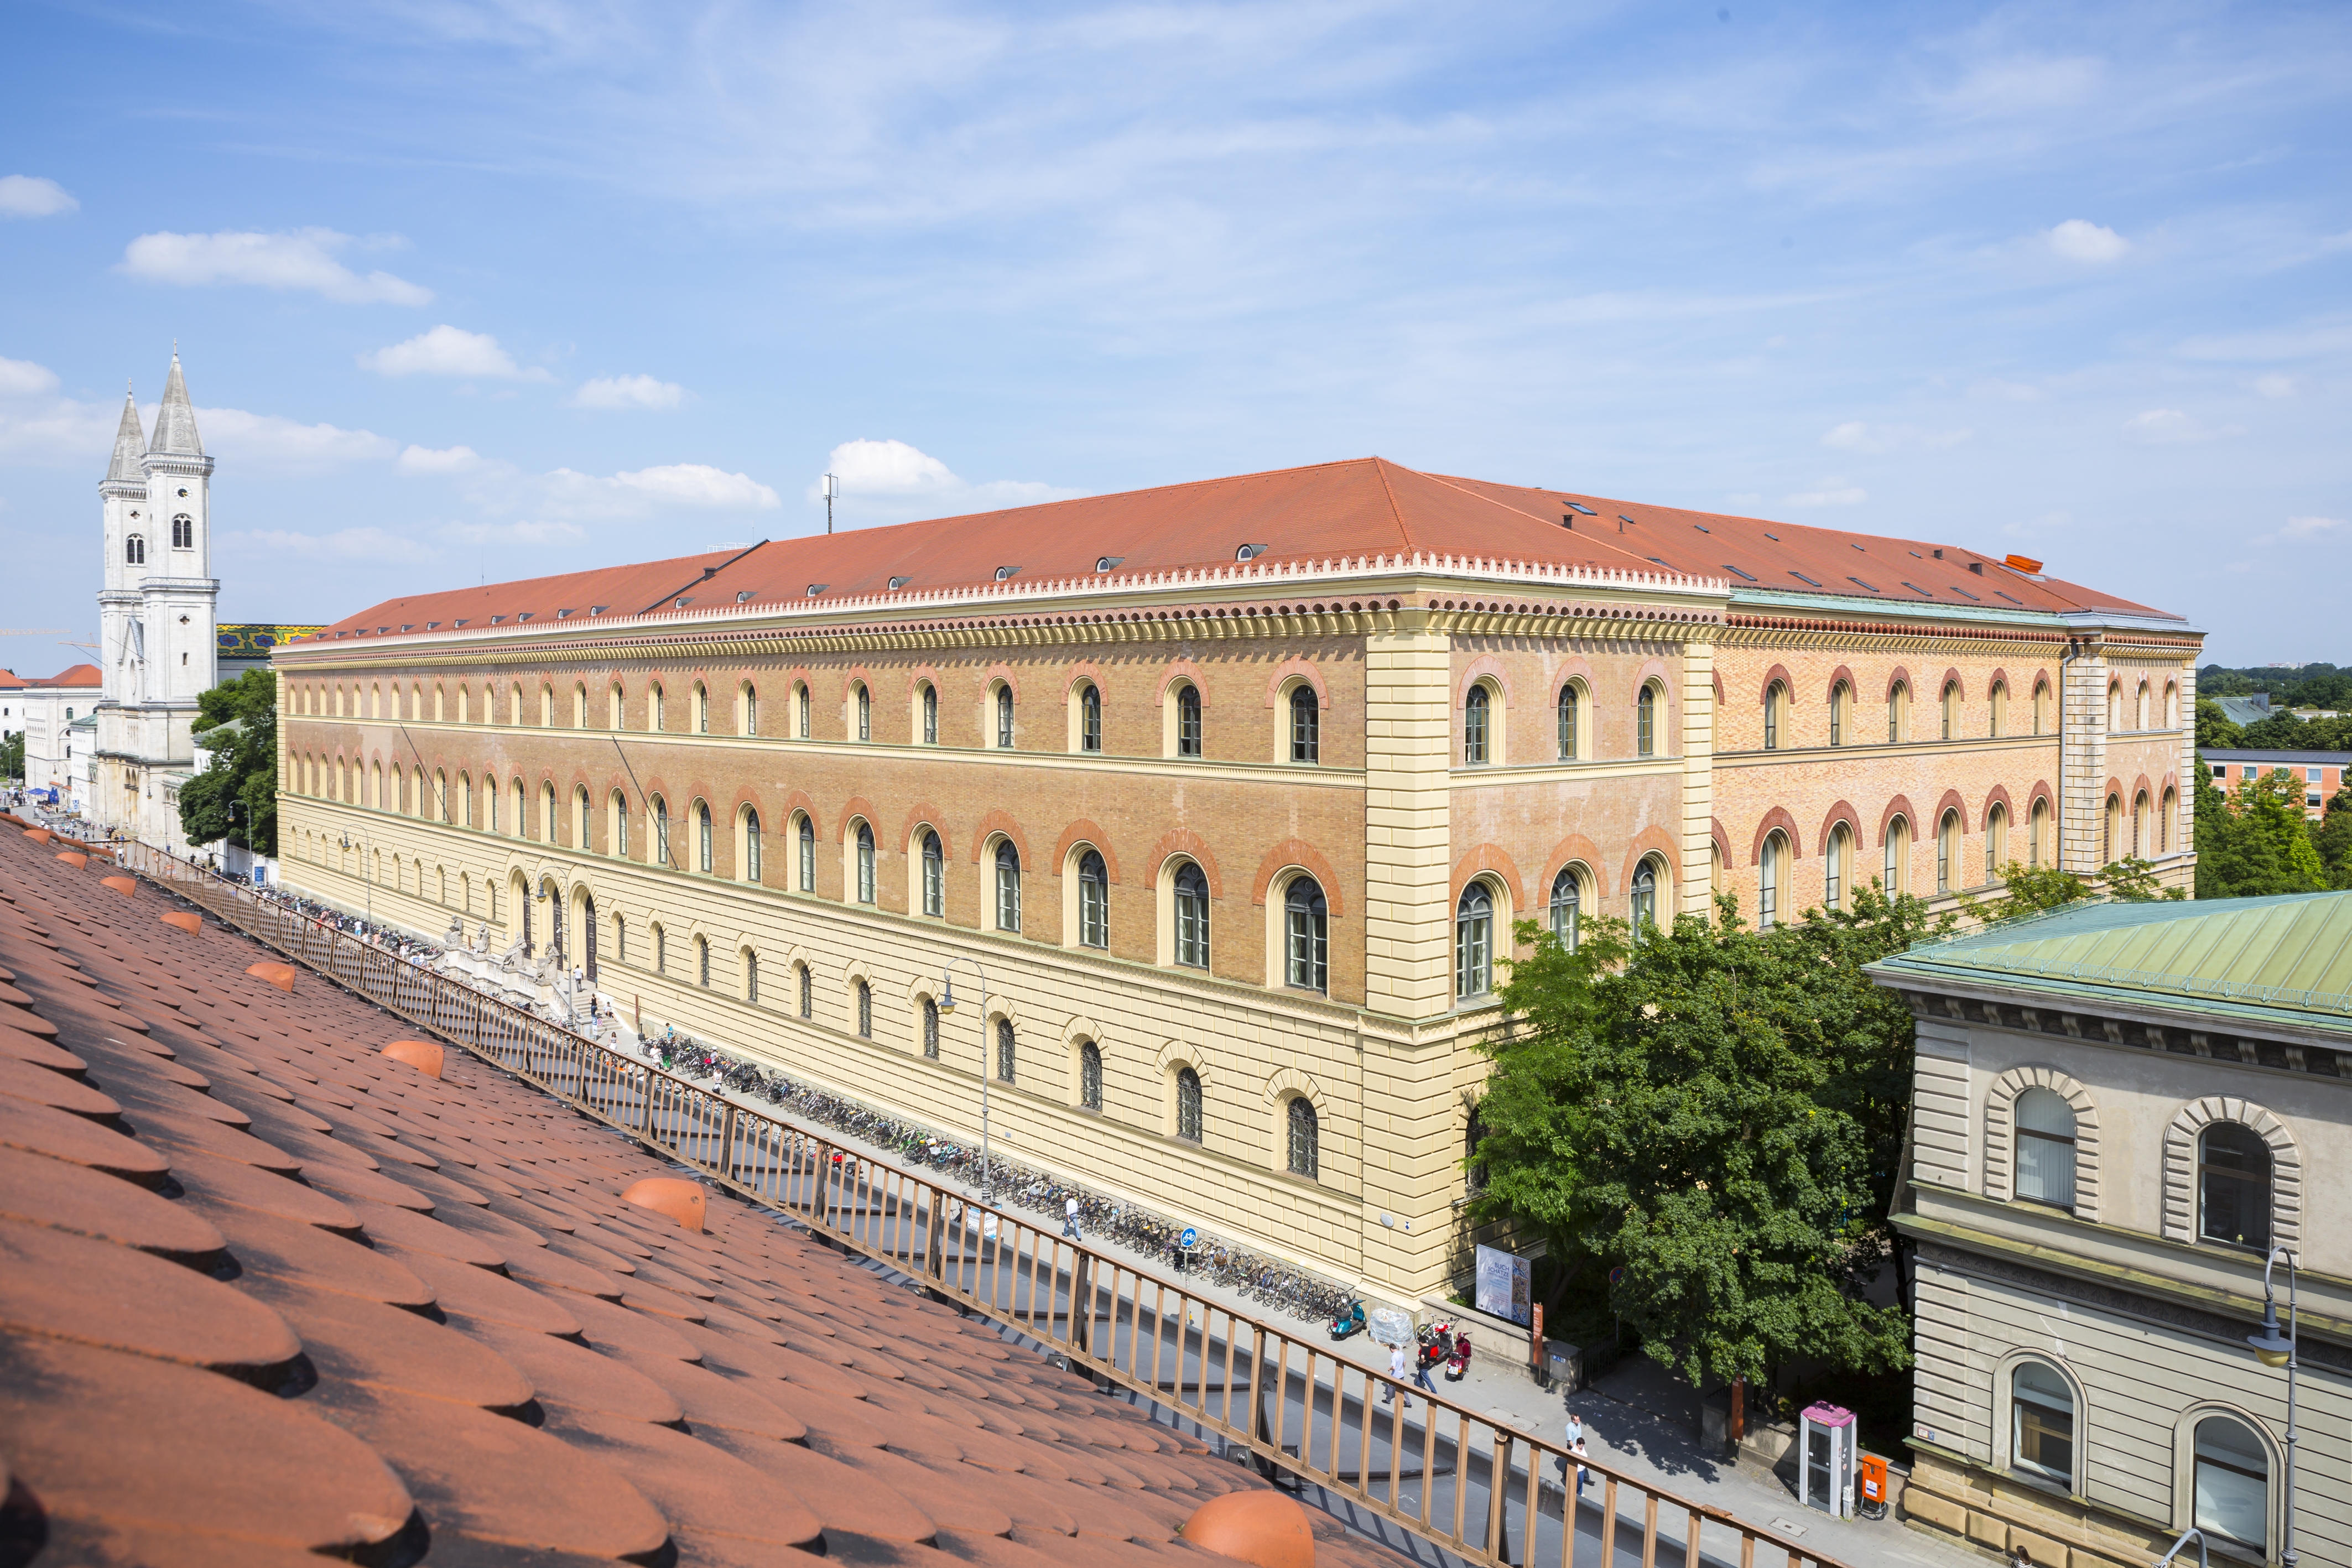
(236, 798)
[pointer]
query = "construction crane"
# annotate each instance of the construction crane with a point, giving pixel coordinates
(34, 632)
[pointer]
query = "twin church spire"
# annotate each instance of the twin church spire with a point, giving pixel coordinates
(175, 431)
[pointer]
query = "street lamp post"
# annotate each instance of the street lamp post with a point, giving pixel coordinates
(365, 881)
(947, 1007)
(2273, 1351)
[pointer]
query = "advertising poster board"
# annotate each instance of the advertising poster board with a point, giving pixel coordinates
(1505, 1281)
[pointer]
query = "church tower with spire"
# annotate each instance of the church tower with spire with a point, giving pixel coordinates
(157, 616)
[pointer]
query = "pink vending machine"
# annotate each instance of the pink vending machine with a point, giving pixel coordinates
(1826, 1440)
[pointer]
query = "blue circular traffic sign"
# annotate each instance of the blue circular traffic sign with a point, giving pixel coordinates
(1190, 1240)
(1617, 1275)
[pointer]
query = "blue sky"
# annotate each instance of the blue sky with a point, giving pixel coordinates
(486, 290)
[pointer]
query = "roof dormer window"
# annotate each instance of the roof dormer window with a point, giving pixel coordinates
(899, 582)
(1004, 572)
(1250, 552)
(1103, 563)
(816, 588)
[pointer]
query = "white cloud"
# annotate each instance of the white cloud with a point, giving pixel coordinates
(344, 544)
(895, 474)
(2276, 385)
(2006, 390)
(2171, 427)
(1857, 437)
(302, 258)
(527, 533)
(439, 460)
(22, 378)
(2078, 239)
(1831, 492)
(2297, 530)
(266, 440)
(695, 484)
(447, 350)
(2306, 339)
(628, 391)
(31, 196)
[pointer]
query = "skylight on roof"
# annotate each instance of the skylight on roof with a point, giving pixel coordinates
(1801, 577)
(1580, 506)
(1623, 519)
(1956, 589)
(1703, 527)
(1774, 538)
(2012, 599)
(1922, 593)
(1869, 586)
(1662, 563)
(1737, 572)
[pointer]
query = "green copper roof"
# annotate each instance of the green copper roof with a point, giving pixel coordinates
(2291, 954)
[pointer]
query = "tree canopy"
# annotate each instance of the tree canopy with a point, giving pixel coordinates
(243, 775)
(2255, 840)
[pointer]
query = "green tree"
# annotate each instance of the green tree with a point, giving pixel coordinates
(12, 756)
(2254, 841)
(244, 775)
(2214, 731)
(2332, 840)
(1719, 1112)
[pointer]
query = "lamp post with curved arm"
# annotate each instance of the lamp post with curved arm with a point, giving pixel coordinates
(947, 1007)
(2273, 1349)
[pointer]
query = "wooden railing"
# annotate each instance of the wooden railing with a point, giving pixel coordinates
(1487, 1492)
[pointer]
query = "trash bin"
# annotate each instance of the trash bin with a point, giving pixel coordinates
(1872, 1486)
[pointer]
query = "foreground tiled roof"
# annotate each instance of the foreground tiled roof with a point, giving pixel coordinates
(73, 675)
(267, 1292)
(1366, 507)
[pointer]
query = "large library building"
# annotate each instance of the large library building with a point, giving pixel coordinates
(1219, 802)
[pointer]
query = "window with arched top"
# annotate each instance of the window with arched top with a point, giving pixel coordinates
(1005, 718)
(1567, 907)
(1646, 722)
(1837, 866)
(1568, 723)
(2171, 705)
(863, 701)
(2037, 832)
(1007, 1049)
(134, 550)
(931, 714)
(1642, 900)
(1997, 718)
(1771, 873)
(808, 992)
(930, 1029)
(2170, 809)
(1898, 856)
(521, 813)
(1008, 886)
(1305, 725)
(2042, 708)
(1948, 713)
(1094, 901)
(658, 710)
(1189, 909)
(751, 844)
(1306, 935)
(2111, 830)
(1841, 713)
(747, 700)
(863, 852)
(1188, 1104)
(2042, 1434)
(1776, 713)
(1474, 943)
(2115, 705)
(1090, 1091)
(183, 531)
(2230, 1485)
(2140, 709)
(616, 826)
(702, 847)
(1090, 718)
(864, 1010)
(2233, 1186)
(1188, 720)
(702, 962)
(2045, 1148)
(800, 711)
(1996, 841)
(1306, 1138)
(806, 835)
(1475, 715)
(935, 876)
(1898, 714)
(1947, 851)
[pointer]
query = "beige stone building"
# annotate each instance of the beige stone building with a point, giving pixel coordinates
(2120, 1110)
(1234, 790)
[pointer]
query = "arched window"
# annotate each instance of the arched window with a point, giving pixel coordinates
(2171, 705)
(1898, 856)
(1473, 942)
(134, 550)
(1191, 916)
(2000, 719)
(2141, 718)
(1770, 870)
(1307, 935)
(751, 844)
(931, 714)
(1776, 704)
(2232, 1484)
(2037, 832)
(521, 813)
(1898, 714)
(1188, 720)
(619, 827)
(2233, 1186)
(865, 852)
(865, 704)
(1473, 727)
(2043, 1437)
(2115, 705)
(1837, 860)
(580, 810)
(657, 714)
(1306, 1138)
(1841, 712)
(1949, 718)
(1008, 886)
(702, 835)
(1188, 1104)
(1089, 1075)
(183, 531)
(1094, 901)
(800, 701)
(864, 1010)
(1090, 734)
(2139, 825)
(1006, 1048)
(661, 831)
(750, 977)
(808, 991)
(702, 962)
(1645, 899)
(1306, 724)
(2045, 1148)
(1947, 851)
(935, 876)
(930, 1029)
(2042, 708)
(1570, 741)
(1646, 723)
(1004, 718)
(1996, 837)
(2170, 809)
(2111, 830)
(749, 723)
(1567, 906)
(807, 836)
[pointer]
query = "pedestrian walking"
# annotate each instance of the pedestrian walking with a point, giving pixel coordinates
(1070, 1220)
(1421, 1376)
(1577, 1449)
(1389, 1390)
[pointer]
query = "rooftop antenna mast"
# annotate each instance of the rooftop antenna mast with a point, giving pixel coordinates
(831, 488)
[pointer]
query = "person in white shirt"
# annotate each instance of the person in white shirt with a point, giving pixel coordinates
(1070, 1220)
(1396, 1374)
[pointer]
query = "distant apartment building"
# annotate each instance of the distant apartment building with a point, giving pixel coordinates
(57, 756)
(2321, 773)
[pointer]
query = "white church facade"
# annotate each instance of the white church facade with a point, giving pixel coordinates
(157, 619)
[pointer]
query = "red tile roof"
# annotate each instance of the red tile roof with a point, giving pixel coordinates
(1362, 507)
(75, 675)
(267, 1293)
